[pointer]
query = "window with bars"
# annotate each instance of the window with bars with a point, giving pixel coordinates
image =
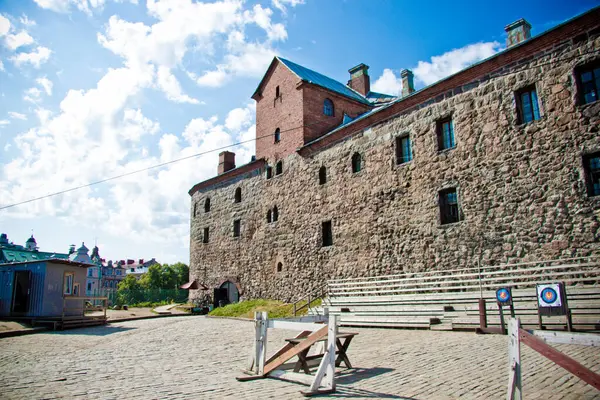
(328, 108)
(236, 228)
(528, 108)
(449, 210)
(591, 164)
(403, 149)
(445, 134)
(588, 81)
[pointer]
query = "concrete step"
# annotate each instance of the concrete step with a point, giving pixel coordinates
(444, 326)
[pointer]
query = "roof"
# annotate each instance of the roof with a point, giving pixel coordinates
(14, 255)
(310, 76)
(225, 176)
(54, 261)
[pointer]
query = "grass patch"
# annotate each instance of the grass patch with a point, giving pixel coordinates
(274, 308)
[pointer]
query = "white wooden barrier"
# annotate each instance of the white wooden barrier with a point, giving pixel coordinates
(313, 329)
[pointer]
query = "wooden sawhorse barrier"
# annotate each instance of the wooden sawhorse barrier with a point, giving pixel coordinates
(313, 329)
(537, 339)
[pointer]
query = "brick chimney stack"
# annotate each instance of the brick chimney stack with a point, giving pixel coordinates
(359, 79)
(408, 85)
(226, 161)
(518, 32)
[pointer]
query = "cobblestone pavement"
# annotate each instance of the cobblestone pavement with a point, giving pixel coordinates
(199, 358)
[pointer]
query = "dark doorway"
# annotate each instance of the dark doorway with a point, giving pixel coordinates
(20, 304)
(228, 293)
(220, 297)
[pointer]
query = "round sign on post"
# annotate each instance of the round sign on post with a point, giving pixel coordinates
(504, 296)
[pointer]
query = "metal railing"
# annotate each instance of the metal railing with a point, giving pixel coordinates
(313, 295)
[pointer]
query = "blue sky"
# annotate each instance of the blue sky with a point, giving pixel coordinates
(95, 88)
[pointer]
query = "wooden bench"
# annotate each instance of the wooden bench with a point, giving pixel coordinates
(343, 341)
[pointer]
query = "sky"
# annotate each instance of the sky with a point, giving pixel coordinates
(92, 89)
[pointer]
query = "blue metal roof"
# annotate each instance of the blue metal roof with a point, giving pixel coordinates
(318, 79)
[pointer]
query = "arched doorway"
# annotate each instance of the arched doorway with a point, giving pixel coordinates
(226, 293)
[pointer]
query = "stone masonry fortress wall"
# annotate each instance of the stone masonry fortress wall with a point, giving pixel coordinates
(521, 189)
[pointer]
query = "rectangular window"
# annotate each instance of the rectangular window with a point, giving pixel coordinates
(205, 236)
(89, 286)
(403, 149)
(236, 228)
(118, 272)
(591, 164)
(445, 133)
(90, 272)
(68, 283)
(327, 234)
(588, 80)
(449, 211)
(76, 289)
(527, 105)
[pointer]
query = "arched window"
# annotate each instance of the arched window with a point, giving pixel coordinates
(275, 214)
(279, 168)
(279, 267)
(195, 207)
(238, 195)
(277, 136)
(269, 216)
(328, 108)
(207, 205)
(356, 163)
(322, 175)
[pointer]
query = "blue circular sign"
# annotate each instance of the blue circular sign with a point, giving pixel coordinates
(549, 295)
(503, 295)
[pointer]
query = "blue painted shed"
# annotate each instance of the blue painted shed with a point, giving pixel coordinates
(48, 288)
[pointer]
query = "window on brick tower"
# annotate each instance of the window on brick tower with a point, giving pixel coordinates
(275, 214)
(528, 108)
(269, 216)
(204, 239)
(277, 136)
(588, 82)
(591, 164)
(322, 175)
(449, 210)
(236, 228)
(207, 205)
(238, 195)
(403, 149)
(326, 234)
(279, 168)
(445, 134)
(328, 108)
(269, 172)
(279, 267)
(277, 91)
(356, 163)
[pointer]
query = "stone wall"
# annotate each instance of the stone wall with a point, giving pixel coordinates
(521, 191)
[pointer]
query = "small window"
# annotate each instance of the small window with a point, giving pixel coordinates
(276, 91)
(403, 149)
(90, 272)
(279, 267)
(76, 289)
(322, 175)
(269, 171)
(204, 239)
(195, 209)
(327, 234)
(445, 134)
(236, 228)
(528, 108)
(238, 195)
(89, 286)
(356, 163)
(275, 214)
(269, 216)
(279, 168)
(588, 82)
(328, 108)
(449, 211)
(591, 165)
(277, 136)
(68, 283)
(207, 205)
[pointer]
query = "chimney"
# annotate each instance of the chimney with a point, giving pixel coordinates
(226, 161)
(518, 32)
(408, 86)
(359, 79)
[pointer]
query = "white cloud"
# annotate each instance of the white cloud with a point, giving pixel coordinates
(281, 4)
(1, 66)
(453, 61)
(46, 84)
(169, 84)
(37, 57)
(388, 83)
(22, 38)
(32, 95)
(86, 6)
(4, 25)
(262, 17)
(26, 21)
(4, 122)
(16, 115)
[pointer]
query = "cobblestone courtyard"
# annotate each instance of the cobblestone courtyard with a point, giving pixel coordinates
(199, 358)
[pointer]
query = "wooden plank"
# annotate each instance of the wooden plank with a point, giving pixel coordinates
(514, 391)
(287, 346)
(560, 359)
(583, 339)
(309, 341)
